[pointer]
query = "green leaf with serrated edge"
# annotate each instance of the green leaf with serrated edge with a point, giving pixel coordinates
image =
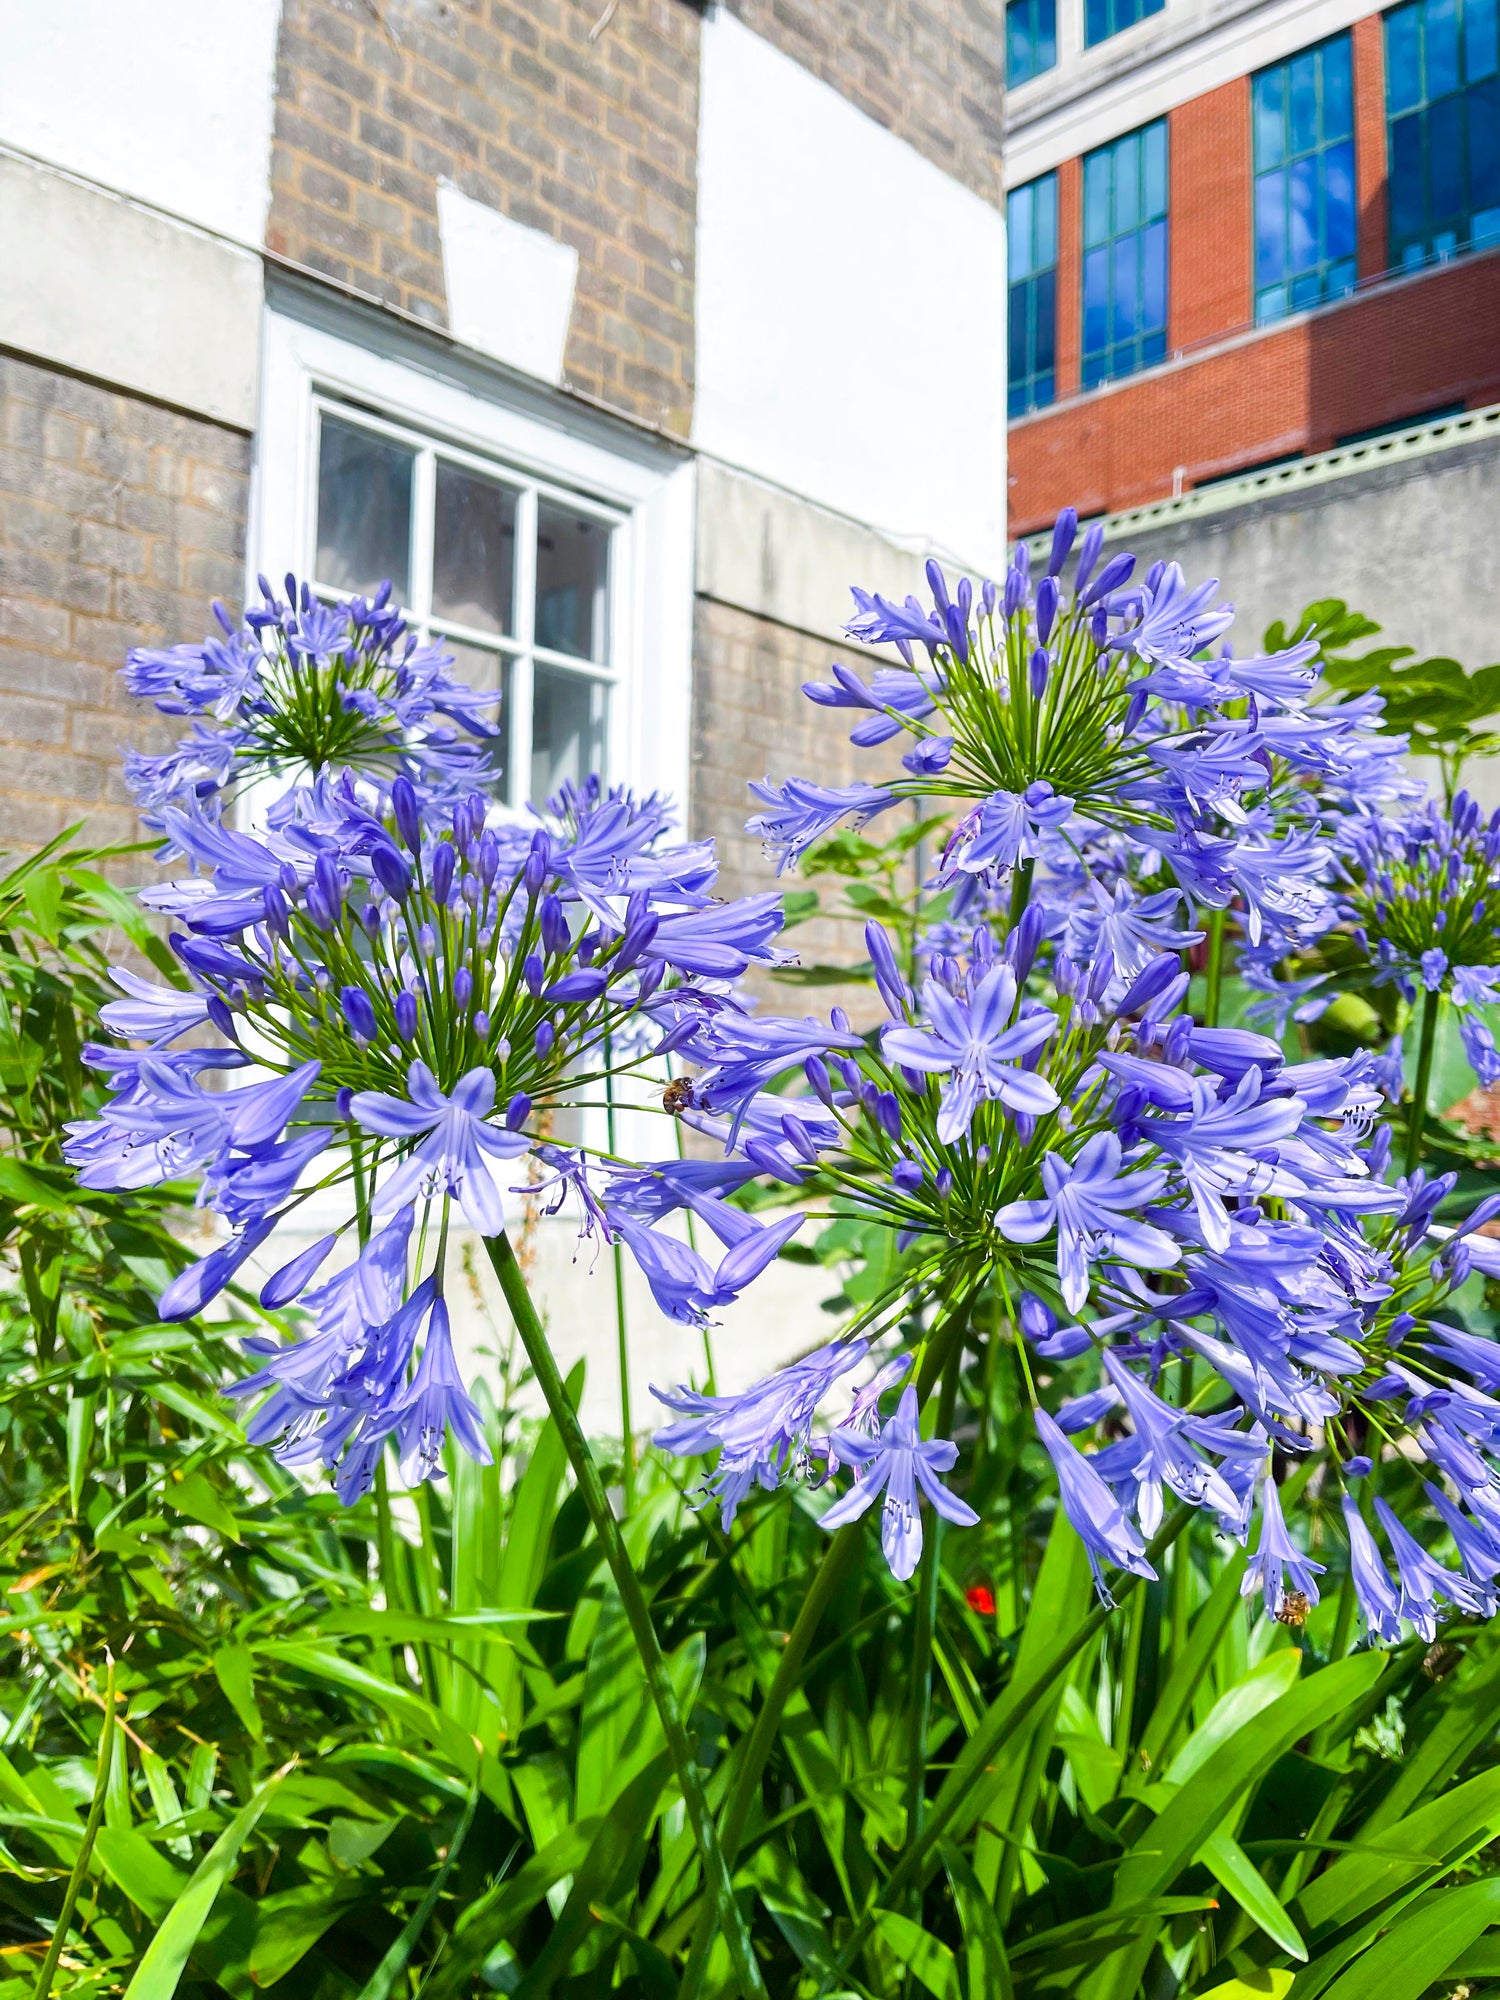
(986, 1968)
(1419, 1948)
(166, 1957)
(925, 1957)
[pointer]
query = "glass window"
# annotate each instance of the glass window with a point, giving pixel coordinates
(1031, 217)
(1030, 39)
(511, 576)
(1303, 124)
(1443, 117)
(1103, 18)
(1125, 255)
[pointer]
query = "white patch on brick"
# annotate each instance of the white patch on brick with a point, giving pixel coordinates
(850, 307)
(115, 291)
(170, 101)
(510, 287)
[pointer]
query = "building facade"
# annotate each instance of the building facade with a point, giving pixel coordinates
(1254, 284)
(604, 328)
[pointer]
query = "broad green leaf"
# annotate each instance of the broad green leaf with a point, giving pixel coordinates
(234, 1669)
(1230, 1866)
(1270, 1984)
(288, 1925)
(1176, 1698)
(927, 1958)
(1466, 1718)
(166, 1957)
(985, 1963)
(1420, 1947)
(1442, 1833)
(800, 1916)
(140, 1869)
(1262, 1686)
(201, 1501)
(383, 1979)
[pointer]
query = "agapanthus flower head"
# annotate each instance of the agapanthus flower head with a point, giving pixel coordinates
(301, 687)
(421, 992)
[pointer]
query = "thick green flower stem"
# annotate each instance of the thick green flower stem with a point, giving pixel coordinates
(928, 1578)
(977, 1759)
(719, 1890)
(622, 1336)
(1431, 1006)
(1213, 974)
(838, 1565)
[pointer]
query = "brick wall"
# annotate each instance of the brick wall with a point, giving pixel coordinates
(565, 121)
(1209, 228)
(932, 71)
(1412, 346)
(119, 523)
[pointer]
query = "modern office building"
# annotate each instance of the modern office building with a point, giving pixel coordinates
(1255, 296)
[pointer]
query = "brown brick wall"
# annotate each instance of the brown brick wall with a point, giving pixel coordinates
(1412, 346)
(1209, 228)
(593, 141)
(119, 523)
(1368, 37)
(932, 71)
(751, 719)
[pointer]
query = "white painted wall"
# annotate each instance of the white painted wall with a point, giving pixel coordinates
(1187, 50)
(167, 100)
(115, 291)
(850, 306)
(510, 287)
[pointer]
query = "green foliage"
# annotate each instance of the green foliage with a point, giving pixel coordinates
(407, 1749)
(1438, 704)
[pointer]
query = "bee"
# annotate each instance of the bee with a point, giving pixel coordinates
(1294, 1608)
(678, 1096)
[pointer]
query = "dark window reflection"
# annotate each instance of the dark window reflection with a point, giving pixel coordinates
(364, 510)
(474, 550)
(572, 583)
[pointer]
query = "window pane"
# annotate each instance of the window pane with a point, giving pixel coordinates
(1019, 211)
(1408, 193)
(1484, 147)
(1044, 331)
(572, 578)
(1270, 91)
(1302, 185)
(1302, 95)
(1403, 58)
(1045, 237)
(1019, 357)
(1338, 199)
(1445, 158)
(1338, 89)
(1127, 182)
(568, 713)
(1096, 21)
(1127, 283)
(1096, 224)
(474, 550)
(364, 510)
(1095, 300)
(1046, 36)
(1154, 276)
(1270, 228)
(1479, 39)
(1156, 171)
(1440, 36)
(482, 668)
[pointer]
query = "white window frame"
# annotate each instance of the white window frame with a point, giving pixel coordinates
(500, 425)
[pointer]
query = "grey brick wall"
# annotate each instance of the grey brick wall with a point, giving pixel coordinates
(573, 124)
(119, 523)
(932, 71)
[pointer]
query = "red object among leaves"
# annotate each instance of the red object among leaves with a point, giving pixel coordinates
(979, 1597)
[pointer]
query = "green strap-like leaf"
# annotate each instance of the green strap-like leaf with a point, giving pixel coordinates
(1419, 1949)
(166, 1958)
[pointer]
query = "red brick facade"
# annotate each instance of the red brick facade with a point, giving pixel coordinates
(1415, 344)
(1232, 396)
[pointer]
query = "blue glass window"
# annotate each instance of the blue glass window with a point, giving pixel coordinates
(1103, 18)
(1030, 39)
(1443, 113)
(1125, 255)
(1031, 224)
(1303, 113)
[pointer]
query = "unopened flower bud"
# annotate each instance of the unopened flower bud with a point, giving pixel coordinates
(406, 1016)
